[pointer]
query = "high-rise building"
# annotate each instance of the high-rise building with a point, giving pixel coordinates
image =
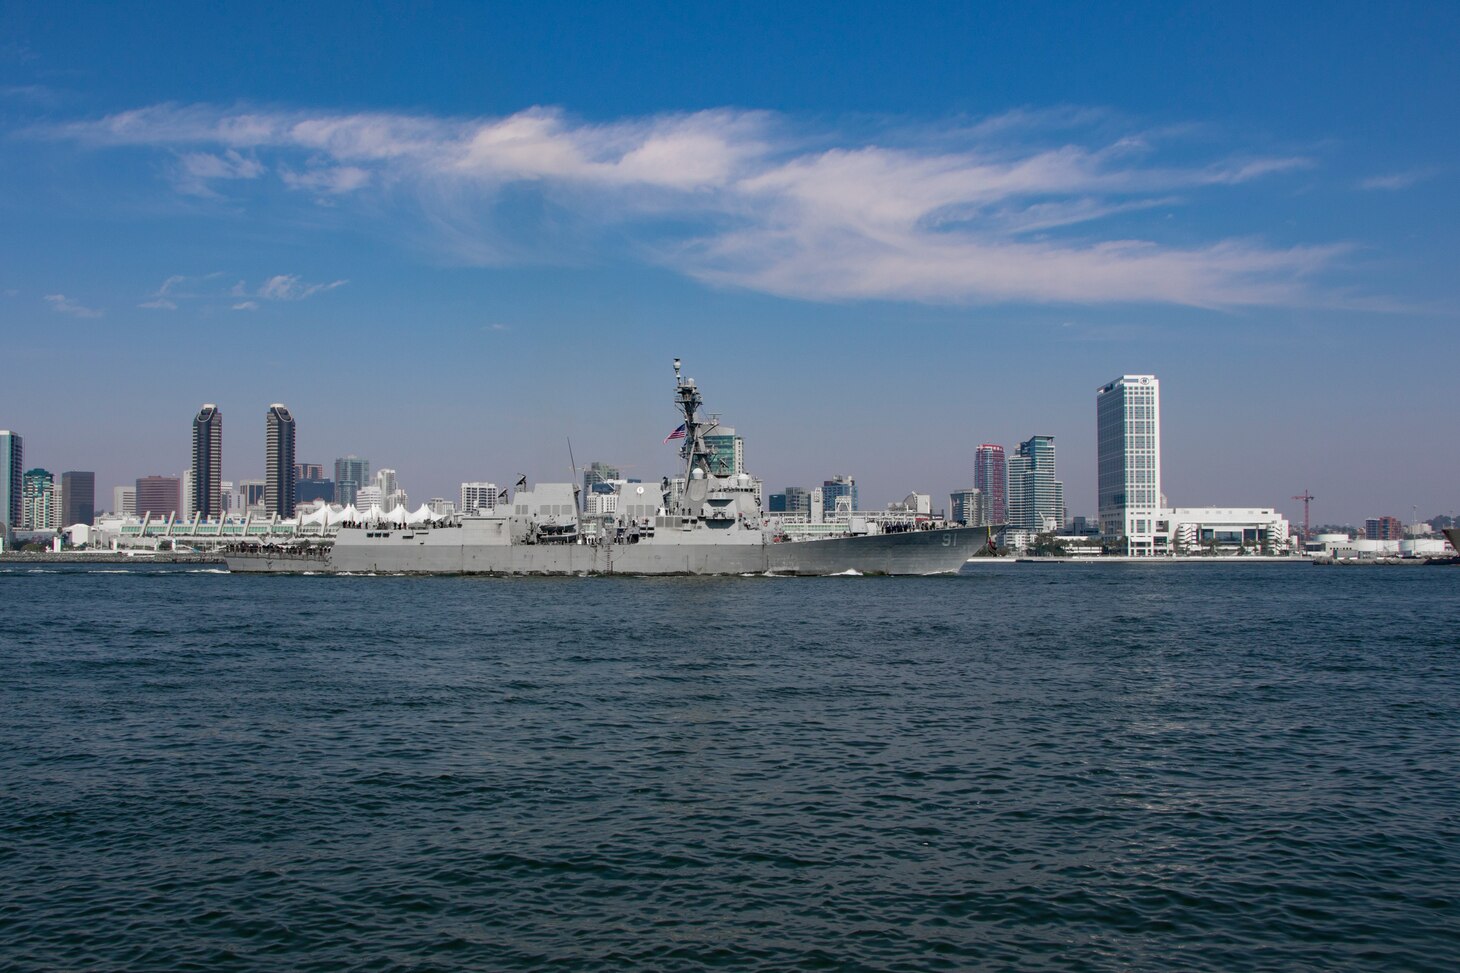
(159, 497)
(727, 451)
(38, 500)
(185, 512)
(475, 496)
(124, 501)
(309, 471)
(602, 498)
(78, 498)
(279, 462)
(1375, 528)
(11, 487)
(794, 500)
(1128, 449)
(313, 489)
(599, 472)
(252, 494)
(230, 501)
(991, 478)
(369, 496)
(351, 473)
(1036, 498)
(967, 507)
(840, 485)
(392, 495)
(206, 495)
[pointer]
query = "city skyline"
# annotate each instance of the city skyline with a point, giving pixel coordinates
(918, 236)
(281, 430)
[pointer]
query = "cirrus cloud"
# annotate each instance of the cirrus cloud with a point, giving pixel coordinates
(62, 304)
(1016, 208)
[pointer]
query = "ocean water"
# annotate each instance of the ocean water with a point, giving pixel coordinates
(1067, 767)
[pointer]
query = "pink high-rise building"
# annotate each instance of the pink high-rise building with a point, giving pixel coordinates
(991, 478)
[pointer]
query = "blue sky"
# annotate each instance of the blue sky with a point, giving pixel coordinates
(449, 236)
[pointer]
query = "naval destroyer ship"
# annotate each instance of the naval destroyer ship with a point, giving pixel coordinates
(705, 523)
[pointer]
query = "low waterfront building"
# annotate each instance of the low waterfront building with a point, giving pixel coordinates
(1383, 529)
(1197, 530)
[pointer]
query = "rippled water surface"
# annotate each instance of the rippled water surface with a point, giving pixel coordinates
(1069, 767)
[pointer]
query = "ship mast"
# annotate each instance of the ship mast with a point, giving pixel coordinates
(694, 452)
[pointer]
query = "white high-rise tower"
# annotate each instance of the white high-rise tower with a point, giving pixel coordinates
(1128, 444)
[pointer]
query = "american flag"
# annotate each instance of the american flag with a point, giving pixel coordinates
(677, 434)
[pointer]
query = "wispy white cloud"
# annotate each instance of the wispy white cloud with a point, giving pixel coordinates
(1396, 180)
(163, 300)
(331, 180)
(65, 305)
(197, 171)
(289, 287)
(208, 289)
(33, 94)
(1027, 206)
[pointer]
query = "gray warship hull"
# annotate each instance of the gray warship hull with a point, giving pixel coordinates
(707, 522)
(457, 551)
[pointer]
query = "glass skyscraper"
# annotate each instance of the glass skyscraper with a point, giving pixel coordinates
(840, 485)
(78, 497)
(279, 462)
(1128, 444)
(351, 473)
(207, 479)
(11, 460)
(727, 451)
(1036, 498)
